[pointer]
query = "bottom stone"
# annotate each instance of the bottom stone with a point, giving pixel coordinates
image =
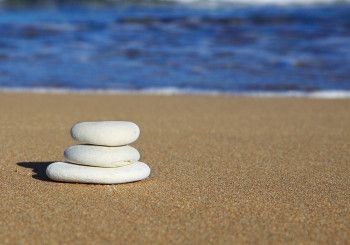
(67, 172)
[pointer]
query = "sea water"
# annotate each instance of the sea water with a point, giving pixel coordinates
(167, 47)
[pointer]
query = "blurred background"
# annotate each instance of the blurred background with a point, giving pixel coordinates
(233, 46)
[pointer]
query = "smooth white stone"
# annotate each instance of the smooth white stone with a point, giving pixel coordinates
(108, 133)
(68, 172)
(101, 156)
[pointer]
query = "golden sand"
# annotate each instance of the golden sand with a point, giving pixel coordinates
(224, 170)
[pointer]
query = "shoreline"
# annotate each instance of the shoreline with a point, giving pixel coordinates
(170, 91)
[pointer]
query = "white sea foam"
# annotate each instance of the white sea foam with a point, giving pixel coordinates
(168, 91)
(324, 94)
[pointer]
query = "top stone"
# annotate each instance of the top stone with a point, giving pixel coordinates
(106, 133)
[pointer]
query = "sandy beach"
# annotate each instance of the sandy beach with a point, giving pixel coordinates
(225, 170)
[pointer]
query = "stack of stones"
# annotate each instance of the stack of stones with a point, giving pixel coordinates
(104, 157)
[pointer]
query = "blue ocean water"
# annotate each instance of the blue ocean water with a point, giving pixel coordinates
(226, 48)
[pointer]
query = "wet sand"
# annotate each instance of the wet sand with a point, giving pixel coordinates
(224, 170)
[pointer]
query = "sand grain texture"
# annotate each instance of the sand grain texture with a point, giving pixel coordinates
(224, 170)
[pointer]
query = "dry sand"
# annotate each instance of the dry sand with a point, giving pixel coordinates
(224, 170)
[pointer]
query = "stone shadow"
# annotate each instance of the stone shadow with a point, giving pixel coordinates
(39, 169)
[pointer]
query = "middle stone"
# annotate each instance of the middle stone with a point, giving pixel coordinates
(101, 156)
